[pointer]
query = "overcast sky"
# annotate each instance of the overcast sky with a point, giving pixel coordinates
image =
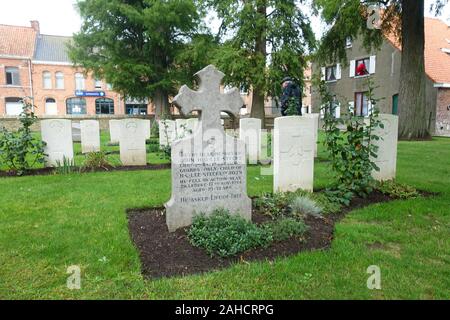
(59, 17)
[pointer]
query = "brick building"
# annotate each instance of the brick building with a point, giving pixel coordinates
(38, 66)
(349, 85)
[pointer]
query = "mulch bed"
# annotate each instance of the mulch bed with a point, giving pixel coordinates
(50, 171)
(165, 254)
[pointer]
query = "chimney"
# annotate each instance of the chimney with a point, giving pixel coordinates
(35, 26)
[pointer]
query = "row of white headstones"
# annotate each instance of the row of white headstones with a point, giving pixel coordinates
(294, 146)
(131, 134)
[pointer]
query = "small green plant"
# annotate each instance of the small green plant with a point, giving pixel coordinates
(286, 228)
(303, 206)
(19, 150)
(274, 205)
(96, 160)
(225, 235)
(397, 190)
(66, 166)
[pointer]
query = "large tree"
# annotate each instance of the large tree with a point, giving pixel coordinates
(263, 41)
(139, 46)
(405, 20)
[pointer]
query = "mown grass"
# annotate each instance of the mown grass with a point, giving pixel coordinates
(48, 223)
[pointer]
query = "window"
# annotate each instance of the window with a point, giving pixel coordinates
(76, 106)
(12, 76)
(136, 109)
(348, 42)
(79, 81)
(361, 104)
(104, 106)
(47, 80)
(362, 67)
(98, 84)
(109, 86)
(330, 73)
(59, 80)
(50, 100)
(14, 106)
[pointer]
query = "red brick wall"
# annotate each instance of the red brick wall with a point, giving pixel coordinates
(443, 112)
(10, 91)
(61, 95)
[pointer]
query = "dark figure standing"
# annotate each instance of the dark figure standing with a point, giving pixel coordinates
(291, 100)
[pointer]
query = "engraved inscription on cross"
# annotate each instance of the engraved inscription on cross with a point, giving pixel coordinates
(208, 99)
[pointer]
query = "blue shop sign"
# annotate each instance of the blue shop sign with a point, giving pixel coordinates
(80, 93)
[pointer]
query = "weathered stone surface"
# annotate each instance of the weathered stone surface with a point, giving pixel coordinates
(208, 168)
(132, 142)
(167, 132)
(316, 117)
(192, 124)
(387, 152)
(293, 154)
(57, 134)
(250, 133)
(76, 132)
(90, 136)
(114, 130)
(148, 129)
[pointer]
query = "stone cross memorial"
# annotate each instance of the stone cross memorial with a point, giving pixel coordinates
(114, 130)
(387, 152)
(209, 167)
(293, 154)
(132, 142)
(250, 133)
(90, 136)
(167, 132)
(57, 134)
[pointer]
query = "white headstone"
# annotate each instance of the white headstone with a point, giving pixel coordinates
(209, 168)
(316, 117)
(148, 129)
(167, 132)
(114, 130)
(387, 153)
(90, 136)
(181, 125)
(57, 134)
(293, 154)
(132, 142)
(192, 125)
(76, 132)
(250, 133)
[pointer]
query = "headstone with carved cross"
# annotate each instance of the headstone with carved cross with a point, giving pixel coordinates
(293, 154)
(208, 167)
(386, 158)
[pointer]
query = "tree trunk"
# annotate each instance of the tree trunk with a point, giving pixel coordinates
(161, 101)
(413, 120)
(260, 50)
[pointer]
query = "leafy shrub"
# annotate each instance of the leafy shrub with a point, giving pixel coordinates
(352, 150)
(303, 206)
(328, 205)
(20, 150)
(66, 166)
(397, 190)
(286, 228)
(95, 160)
(226, 235)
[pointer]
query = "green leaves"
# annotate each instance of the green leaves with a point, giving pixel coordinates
(20, 150)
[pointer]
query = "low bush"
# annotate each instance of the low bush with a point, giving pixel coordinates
(225, 235)
(397, 190)
(303, 206)
(95, 160)
(286, 228)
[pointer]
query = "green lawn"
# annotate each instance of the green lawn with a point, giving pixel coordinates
(48, 223)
